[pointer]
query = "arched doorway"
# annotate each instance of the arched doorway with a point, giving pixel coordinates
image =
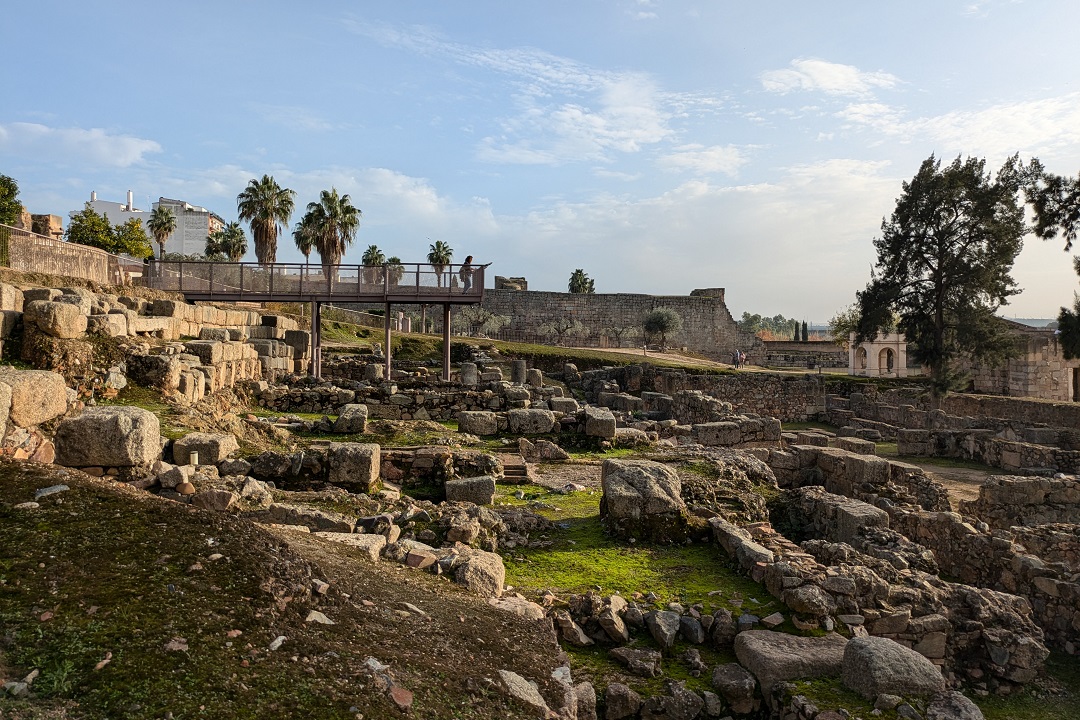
(887, 361)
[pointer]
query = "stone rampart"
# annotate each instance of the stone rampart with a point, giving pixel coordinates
(708, 327)
(810, 355)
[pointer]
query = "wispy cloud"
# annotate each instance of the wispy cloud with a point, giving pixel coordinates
(94, 146)
(815, 75)
(726, 159)
(566, 111)
(1035, 126)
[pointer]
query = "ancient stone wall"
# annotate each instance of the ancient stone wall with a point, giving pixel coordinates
(813, 354)
(708, 327)
(1039, 370)
(787, 398)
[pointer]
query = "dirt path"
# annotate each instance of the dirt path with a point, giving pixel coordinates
(671, 357)
(961, 483)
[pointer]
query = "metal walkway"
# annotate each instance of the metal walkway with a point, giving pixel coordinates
(402, 284)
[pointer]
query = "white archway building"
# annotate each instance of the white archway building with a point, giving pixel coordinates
(885, 356)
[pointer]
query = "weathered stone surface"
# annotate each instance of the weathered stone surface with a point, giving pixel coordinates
(664, 627)
(530, 421)
(355, 466)
(352, 418)
(599, 422)
(951, 705)
(809, 600)
(570, 631)
(478, 490)
(613, 625)
(58, 319)
(563, 405)
(111, 325)
(215, 500)
(645, 663)
(370, 546)
(211, 448)
(523, 690)
(37, 396)
(620, 702)
(642, 498)
(585, 695)
(774, 656)
(284, 514)
(108, 437)
(737, 685)
(482, 573)
(678, 704)
(518, 605)
(875, 665)
(478, 422)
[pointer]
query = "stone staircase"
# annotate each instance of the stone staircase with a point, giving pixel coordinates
(515, 469)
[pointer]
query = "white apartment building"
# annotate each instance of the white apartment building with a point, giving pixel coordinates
(193, 223)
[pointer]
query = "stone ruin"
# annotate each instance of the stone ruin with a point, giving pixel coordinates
(852, 543)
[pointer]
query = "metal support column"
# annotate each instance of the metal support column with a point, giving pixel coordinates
(386, 337)
(316, 333)
(446, 343)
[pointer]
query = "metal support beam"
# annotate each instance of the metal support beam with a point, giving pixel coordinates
(386, 337)
(446, 343)
(316, 327)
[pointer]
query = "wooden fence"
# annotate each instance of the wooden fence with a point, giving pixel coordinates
(25, 251)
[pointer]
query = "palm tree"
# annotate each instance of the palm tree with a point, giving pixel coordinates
(394, 270)
(372, 259)
(334, 222)
(162, 224)
(266, 206)
(581, 283)
(439, 256)
(229, 241)
(304, 237)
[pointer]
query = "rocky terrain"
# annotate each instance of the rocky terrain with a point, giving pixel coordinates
(189, 530)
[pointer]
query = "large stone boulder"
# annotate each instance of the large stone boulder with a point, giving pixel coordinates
(109, 437)
(774, 656)
(37, 396)
(482, 573)
(478, 490)
(876, 665)
(951, 705)
(478, 422)
(737, 686)
(58, 319)
(599, 422)
(352, 418)
(530, 421)
(355, 466)
(642, 499)
(211, 448)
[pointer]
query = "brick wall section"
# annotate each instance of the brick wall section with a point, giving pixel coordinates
(708, 327)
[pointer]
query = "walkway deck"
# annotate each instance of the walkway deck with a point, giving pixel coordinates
(408, 283)
(404, 284)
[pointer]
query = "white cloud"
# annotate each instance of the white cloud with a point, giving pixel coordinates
(827, 77)
(726, 159)
(1035, 126)
(95, 146)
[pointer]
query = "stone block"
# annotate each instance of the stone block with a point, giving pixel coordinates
(56, 319)
(11, 298)
(355, 466)
(211, 448)
(209, 352)
(724, 434)
(111, 325)
(36, 395)
(478, 490)
(599, 422)
(109, 437)
(478, 422)
(856, 445)
(567, 406)
(352, 418)
(530, 421)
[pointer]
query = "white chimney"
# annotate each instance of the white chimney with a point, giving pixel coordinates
(93, 196)
(131, 201)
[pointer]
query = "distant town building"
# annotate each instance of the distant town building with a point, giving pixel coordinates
(193, 223)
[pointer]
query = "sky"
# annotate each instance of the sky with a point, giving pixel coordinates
(659, 145)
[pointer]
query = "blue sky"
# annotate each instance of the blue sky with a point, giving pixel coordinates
(659, 145)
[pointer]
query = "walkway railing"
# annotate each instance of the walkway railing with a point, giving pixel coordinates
(285, 282)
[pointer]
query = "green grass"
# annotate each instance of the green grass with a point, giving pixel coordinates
(582, 557)
(148, 399)
(1062, 703)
